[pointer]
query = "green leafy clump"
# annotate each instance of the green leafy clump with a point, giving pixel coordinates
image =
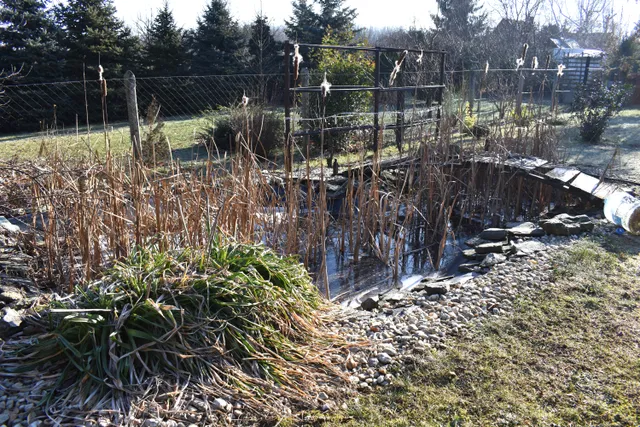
(155, 143)
(594, 104)
(469, 121)
(238, 320)
(341, 68)
(264, 128)
(523, 118)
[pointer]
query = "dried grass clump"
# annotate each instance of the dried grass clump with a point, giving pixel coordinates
(236, 321)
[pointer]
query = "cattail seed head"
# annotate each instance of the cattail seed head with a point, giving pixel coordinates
(561, 68)
(397, 67)
(325, 87)
(100, 71)
(297, 60)
(534, 63)
(486, 68)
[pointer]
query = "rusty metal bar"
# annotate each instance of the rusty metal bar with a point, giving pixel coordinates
(440, 93)
(287, 103)
(376, 102)
(353, 88)
(369, 49)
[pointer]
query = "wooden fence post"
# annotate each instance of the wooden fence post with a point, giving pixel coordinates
(132, 110)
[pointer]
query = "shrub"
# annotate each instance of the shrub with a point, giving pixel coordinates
(524, 118)
(594, 104)
(155, 143)
(237, 318)
(224, 129)
(342, 68)
(469, 120)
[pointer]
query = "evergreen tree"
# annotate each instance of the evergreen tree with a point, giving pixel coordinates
(93, 36)
(217, 44)
(309, 26)
(164, 52)
(264, 50)
(459, 29)
(28, 40)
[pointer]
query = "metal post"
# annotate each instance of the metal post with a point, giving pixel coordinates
(132, 110)
(586, 70)
(554, 97)
(519, 94)
(287, 105)
(471, 97)
(376, 101)
(440, 93)
(399, 116)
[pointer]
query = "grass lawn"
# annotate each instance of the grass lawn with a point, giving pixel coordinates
(569, 357)
(181, 133)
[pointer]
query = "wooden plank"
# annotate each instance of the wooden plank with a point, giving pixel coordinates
(593, 186)
(563, 174)
(526, 163)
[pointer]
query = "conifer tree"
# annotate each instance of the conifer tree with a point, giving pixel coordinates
(28, 40)
(309, 24)
(164, 53)
(94, 35)
(459, 28)
(264, 50)
(217, 43)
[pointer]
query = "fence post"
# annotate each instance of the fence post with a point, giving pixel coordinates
(399, 116)
(586, 70)
(132, 111)
(471, 95)
(443, 57)
(287, 106)
(376, 101)
(554, 98)
(519, 94)
(306, 107)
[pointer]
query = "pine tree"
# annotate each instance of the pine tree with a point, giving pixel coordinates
(164, 53)
(217, 45)
(459, 28)
(309, 26)
(93, 36)
(264, 50)
(28, 40)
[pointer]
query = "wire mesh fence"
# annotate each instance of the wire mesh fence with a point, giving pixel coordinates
(65, 105)
(189, 104)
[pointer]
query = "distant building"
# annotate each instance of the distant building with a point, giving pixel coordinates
(582, 64)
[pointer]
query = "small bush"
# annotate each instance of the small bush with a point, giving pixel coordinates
(594, 104)
(524, 118)
(342, 68)
(469, 120)
(224, 129)
(155, 143)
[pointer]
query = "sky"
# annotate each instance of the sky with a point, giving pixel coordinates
(371, 13)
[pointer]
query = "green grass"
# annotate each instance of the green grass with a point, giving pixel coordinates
(567, 357)
(236, 320)
(29, 146)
